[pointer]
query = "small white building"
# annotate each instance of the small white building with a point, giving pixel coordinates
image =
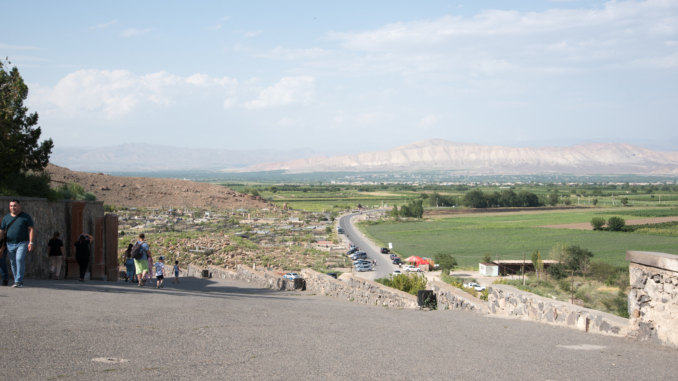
(488, 269)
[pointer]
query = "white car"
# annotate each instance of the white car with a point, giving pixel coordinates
(364, 268)
(474, 286)
(411, 269)
(291, 276)
(396, 272)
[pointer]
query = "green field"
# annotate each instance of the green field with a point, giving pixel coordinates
(468, 237)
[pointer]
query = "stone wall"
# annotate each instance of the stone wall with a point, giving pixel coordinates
(508, 301)
(247, 274)
(354, 289)
(49, 217)
(452, 298)
(653, 299)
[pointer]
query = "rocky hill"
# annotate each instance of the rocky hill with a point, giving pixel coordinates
(438, 154)
(155, 193)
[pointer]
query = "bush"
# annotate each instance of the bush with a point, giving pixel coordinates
(34, 184)
(616, 223)
(598, 223)
(565, 285)
(557, 271)
(408, 283)
(601, 271)
(487, 258)
(595, 201)
(445, 261)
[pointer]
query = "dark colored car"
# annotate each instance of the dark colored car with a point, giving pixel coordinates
(352, 251)
(397, 261)
(384, 250)
(393, 256)
(333, 275)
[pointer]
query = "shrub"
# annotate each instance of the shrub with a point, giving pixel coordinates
(598, 223)
(601, 271)
(445, 261)
(487, 258)
(565, 285)
(557, 271)
(595, 201)
(408, 283)
(616, 223)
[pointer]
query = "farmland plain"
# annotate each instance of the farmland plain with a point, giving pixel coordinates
(468, 237)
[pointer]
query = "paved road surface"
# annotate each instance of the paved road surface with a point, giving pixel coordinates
(222, 330)
(384, 265)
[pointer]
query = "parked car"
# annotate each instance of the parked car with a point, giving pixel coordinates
(393, 256)
(361, 262)
(352, 246)
(385, 250)
(474, 286)
(411, 269)
(333, 275)
(364, 268)
(291, 276)
(397, 261)
(358, 255)
(353, 250)
(396, 272)
(340, 231)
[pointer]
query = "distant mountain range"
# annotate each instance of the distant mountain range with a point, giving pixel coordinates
(134, 157)
(438, 154)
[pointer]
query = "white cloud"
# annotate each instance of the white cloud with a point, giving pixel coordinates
(131, 32)
(116, 93)
(248, 33)
(16, 47)
(213, 27)
(292, 54)
(105, 25)
(290, 90)
(428, 120)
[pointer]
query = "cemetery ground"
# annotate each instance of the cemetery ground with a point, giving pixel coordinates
(216, 329)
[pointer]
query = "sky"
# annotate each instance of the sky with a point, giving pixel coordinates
(349, 76)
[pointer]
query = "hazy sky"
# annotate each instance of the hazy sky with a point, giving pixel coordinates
(347, 76)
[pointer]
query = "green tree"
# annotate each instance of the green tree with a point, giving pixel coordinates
(475, 199)
(578, 258)
(616, 223)
(537, 262)
(273, 189)
(595, 201)
(328, 230)
(553, 199)
(624, 201)
(445, 261)
(254, 192)
(487, 258)
(598, 223)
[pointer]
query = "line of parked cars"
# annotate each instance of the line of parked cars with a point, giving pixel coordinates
(359, 259)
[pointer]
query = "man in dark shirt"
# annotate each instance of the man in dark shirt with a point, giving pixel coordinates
(18, 233)
(82, 253)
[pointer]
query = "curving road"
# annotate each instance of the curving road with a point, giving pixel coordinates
(384, 265)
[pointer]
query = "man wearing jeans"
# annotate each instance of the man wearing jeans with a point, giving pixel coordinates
(17, 231)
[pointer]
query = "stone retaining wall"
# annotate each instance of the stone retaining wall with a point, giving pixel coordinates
(247, 274)
(508, 301)
(653, 299)
(49, 217)
(354, 289)
(452, 298)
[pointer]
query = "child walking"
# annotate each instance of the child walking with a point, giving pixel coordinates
(160, 270)
(176, 272)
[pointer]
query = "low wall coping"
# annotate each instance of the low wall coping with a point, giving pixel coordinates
(612, 318)
(347, 276)
(654, 259)
(325, 276)
(481, 305)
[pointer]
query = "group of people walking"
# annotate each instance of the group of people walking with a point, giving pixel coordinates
(139, 262)
(17, 235)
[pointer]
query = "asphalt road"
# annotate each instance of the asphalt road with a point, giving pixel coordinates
(384, 265)
(223, 330)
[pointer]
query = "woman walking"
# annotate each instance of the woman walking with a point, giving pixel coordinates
(56, 255)
(82, 253)
(129, 263)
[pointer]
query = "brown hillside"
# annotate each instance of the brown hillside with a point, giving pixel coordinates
(154, 193)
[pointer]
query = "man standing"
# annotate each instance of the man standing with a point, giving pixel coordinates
(18, 233)
(141, 264)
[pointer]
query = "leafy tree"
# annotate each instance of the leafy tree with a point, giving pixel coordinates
(445, 261)
(557, 271)
(567, 201)
(475, 199)
(598, 223)
(579, 259)
(537, 262)
(625, 201)
(20, 150)
(560, 252)
(527, 199)
(487, 258)
(273, 189)
(413, 209)
(254, 192)
(616, 223)
(328, 230)
(595, 201)
(553, 199)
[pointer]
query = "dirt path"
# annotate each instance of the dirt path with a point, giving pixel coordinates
(587, 225)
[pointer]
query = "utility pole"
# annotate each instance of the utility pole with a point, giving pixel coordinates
(572, 288)
(523, 269)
